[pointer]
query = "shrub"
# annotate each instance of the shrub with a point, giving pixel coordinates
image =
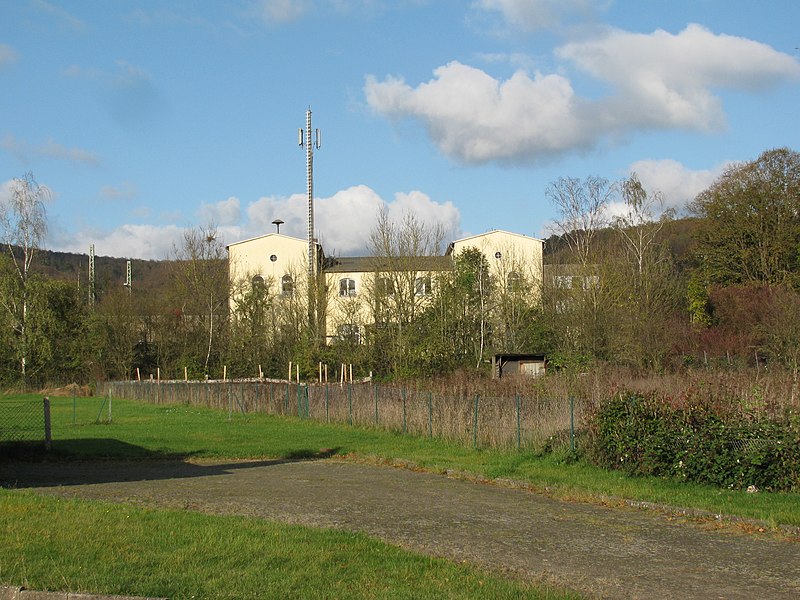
(643, 434)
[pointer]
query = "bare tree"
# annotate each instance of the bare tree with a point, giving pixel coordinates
(581, 207)
(23, 225)
(639, 225)
(201, 282)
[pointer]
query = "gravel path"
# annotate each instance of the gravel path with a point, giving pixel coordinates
(605, 552)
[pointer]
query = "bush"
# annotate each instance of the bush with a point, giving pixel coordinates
(643, 434)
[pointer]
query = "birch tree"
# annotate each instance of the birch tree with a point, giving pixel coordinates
(23, 225)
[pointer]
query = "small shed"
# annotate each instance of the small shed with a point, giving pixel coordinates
(510, 365)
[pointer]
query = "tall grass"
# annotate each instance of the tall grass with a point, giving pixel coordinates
(511, 413)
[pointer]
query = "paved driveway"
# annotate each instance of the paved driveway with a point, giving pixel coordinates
(607, 552)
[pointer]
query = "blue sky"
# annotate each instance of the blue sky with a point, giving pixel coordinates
(146, 118)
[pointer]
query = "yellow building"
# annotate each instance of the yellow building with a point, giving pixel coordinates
(361, 292)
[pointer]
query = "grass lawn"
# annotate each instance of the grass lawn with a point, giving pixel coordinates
(96, 547)
(141, 430)
(91, 546)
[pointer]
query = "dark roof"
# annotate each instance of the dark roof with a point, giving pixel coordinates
(371, 264)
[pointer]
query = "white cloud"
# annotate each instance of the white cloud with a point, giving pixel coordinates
(657, 81)
(532, 15)
(678, 184)
(344, 221)
(281, 11)
(26, 153)
(475, 118)
(666, 80)
(150, 242)
(8, 56)
(224, 212)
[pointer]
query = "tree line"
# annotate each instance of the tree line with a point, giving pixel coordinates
(618, 287)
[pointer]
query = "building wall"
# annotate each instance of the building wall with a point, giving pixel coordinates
(359, 309)
(505, 252)
(250, 258)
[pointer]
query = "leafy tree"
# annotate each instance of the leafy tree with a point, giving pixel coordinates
(750, 228)
(23, 226)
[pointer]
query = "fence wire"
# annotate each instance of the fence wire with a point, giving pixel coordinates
(22, 420)
(496, 422)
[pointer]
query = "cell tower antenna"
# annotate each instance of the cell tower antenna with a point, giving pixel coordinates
(91, 275)
(305, 140)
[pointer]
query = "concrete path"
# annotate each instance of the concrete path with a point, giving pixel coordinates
(604, 552)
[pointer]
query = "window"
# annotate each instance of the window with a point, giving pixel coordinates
(422, 286)
(258, 282)
(513, 282)
(384, 286)
(287, 285)
(563, 281)
(348, 332)
(347, 287)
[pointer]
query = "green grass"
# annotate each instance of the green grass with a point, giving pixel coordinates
(51, 543)
(96, 547)
(140, 430)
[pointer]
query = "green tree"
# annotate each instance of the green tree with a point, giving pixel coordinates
(750, 228)
(23, 226)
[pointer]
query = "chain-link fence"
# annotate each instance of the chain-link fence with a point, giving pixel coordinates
(25, 420)
(471, 419)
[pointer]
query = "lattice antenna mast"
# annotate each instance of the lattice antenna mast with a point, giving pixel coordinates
(304, 139)
(128, 279)
(91, 275)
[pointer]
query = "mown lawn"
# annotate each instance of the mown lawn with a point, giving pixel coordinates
(90, 546)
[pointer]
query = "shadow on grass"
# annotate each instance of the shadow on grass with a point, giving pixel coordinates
(89, 461)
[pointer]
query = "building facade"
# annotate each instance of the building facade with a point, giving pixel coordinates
(357, 293)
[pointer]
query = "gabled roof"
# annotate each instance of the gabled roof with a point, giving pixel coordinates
(486, 234)
(259, 237)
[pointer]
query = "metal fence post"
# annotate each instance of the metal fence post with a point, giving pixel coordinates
(404, 410)
(475, 423)
(350, 402)
(572, 424)
(48, 434)
(430, 415)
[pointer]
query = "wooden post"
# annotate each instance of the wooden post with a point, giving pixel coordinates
(185, 373)
(138, 375)
(224, 372)
(297, 372)
(260, 372)
(351, 373)
(290, 372)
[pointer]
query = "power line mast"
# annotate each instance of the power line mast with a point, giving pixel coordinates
(128, 280)
(91, 275)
